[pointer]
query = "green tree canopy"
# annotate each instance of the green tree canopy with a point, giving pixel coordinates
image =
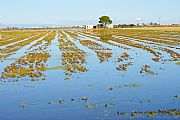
(105, 20)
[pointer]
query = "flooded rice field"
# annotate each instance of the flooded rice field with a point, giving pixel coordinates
(73, 74)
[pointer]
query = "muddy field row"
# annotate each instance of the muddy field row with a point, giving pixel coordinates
(108, 74)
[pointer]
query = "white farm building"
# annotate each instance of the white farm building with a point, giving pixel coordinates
(110, 26)
(89, 26)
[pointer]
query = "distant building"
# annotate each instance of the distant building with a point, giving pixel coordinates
(89, 26)
(110, 26)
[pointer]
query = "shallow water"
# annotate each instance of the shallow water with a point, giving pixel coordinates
(107, 89)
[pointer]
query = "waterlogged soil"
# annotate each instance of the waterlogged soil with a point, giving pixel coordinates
(73, 74)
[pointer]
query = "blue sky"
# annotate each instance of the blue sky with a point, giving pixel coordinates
(66, 12)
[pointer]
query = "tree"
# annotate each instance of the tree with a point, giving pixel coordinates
(151, 24)
(156, 24)
(132, 25)
(105, 20)
(100, 25)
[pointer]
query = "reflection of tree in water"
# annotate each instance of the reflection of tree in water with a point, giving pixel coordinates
(32, 65)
